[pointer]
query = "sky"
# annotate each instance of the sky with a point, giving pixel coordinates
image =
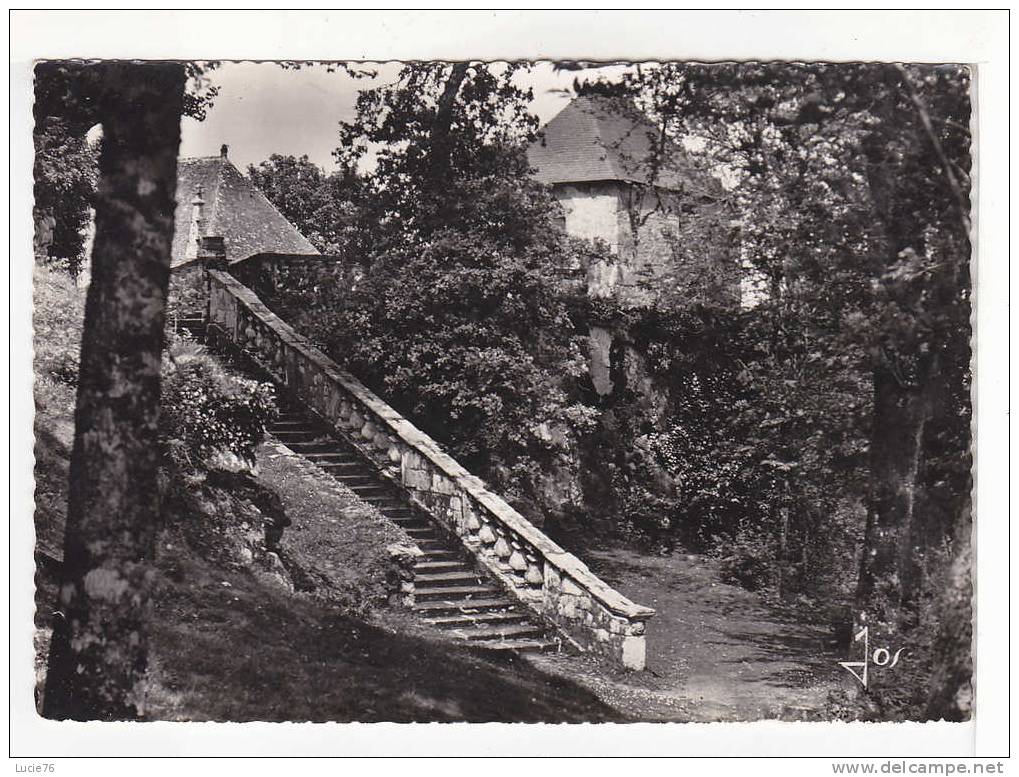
(264, 109)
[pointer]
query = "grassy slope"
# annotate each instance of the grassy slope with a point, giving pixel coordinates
(337, 541)
(58, 308)
(251, 651)
(230, 642)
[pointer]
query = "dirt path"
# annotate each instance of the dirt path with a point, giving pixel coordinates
(715, 651)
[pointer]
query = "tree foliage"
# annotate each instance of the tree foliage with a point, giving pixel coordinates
(817, 438)
(69, 100)
(849, 379)
(455, 320)
(446, 142)
(326, 208)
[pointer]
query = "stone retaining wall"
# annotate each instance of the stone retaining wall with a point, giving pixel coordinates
(532, 568)
(269, 274)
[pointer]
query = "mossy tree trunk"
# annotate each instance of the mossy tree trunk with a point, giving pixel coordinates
(97, 659)
(887, 567)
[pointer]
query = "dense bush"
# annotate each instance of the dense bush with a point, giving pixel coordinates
(207, 413)
(65, 174)
(728, 433)
(472, 342)
(205, 410)
(59, 307)
(186, 295)
(321, 205)
(458, 320)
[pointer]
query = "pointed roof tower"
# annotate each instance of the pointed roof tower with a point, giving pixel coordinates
(599, 138)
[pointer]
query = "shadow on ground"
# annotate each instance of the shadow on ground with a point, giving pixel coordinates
(227, 648)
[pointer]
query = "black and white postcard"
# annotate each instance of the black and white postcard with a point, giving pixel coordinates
(535, 384)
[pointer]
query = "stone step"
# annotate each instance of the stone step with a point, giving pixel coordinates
(344, 469)
(400, 512)
(428, 545)
(366, 487)
(351, 481)
(460, 594)
(466, 619)
(411, 519)
(411, 523)
(521, 645)
(438, 579)
(296, 424)
(403, 514)
(439, 554)
(375, 493)
(497, 632)
(411, 526)
(297, 435)
(439, 566)
(381, 501)
(340, 468)
(362, 487)
(432, 540)
(310, 447)
(474, 606)
(419, 529)
(338, 459)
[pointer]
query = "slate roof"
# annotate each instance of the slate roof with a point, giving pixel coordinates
(234, 209)
(597, 138)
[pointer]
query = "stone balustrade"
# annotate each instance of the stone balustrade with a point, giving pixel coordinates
(532, 568)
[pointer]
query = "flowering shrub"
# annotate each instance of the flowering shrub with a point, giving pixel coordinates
(207, 412)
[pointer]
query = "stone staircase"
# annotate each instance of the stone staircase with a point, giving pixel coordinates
(191, 323)
(450, 593)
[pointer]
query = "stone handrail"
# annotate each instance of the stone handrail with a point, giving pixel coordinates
(535, 570)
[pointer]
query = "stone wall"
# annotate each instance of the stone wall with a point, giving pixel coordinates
(675, 248)
(537, 572)
(591, 213)
(668, 246)
(590, 210)
(297, 274)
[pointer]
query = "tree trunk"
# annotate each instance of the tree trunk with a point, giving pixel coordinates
(439, 145)
(951, 695)
(98, 654)
(887, 569)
